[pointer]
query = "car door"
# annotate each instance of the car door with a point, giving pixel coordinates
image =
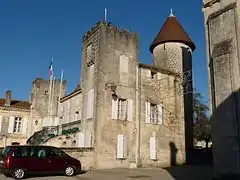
(20, 158)
(39, 160)
(56, 159)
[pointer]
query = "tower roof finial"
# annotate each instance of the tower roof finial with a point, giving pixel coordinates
(171, 13)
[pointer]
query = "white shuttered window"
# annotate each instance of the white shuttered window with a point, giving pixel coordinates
(90, 102)
(153, 148)
(122, 109)
(153, 113)
(121, 146)
(81, 139)
(24, 125)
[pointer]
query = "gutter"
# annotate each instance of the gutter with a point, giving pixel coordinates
(138, 115)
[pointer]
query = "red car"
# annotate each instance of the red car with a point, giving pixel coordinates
(18, 161)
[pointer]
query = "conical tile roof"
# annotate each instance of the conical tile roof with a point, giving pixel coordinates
(172, 31)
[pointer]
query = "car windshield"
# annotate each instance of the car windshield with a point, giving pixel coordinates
(5, 151)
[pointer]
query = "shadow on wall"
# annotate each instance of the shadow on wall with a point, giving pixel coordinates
(226, 134)
(225, 141)
(200, 170)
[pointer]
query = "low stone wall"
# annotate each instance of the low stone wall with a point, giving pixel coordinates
(85, 155)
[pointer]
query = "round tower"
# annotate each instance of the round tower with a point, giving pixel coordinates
(172, 47)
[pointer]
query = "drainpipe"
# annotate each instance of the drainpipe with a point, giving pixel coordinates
(138, 114)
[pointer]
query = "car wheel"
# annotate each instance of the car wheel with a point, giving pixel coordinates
(18, 173)
(69, 171)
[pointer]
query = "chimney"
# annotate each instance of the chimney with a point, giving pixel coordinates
(8, 98)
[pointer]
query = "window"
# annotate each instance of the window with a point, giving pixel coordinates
(122, 109)
(17, 124)
(123, 64)
(121, 146)
(20, 152)
(90, 103)
(54, 152)
(153, 148)
(153, 113)
(6, 151)
(89, 55)
(121, 112)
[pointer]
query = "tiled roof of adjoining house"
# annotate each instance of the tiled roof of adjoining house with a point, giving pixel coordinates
(16, 104)
(172, 31)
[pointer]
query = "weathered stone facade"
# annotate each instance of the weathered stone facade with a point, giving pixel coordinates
(222, 27)
(130, 114)
(40, 102)
(111, 73)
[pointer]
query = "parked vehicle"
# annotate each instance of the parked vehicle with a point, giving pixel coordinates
(19, 161)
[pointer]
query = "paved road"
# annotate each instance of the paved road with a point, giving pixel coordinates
(177, 173)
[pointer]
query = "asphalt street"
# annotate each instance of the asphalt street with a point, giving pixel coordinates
(176, 173)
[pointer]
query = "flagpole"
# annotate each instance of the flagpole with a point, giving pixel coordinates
(53, 89)
(49, 95)
(105, 14)
(60, 90)
(50, 88)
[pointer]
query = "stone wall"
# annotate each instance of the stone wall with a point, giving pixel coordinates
(70, 140)
(165, 89)
(85, 155)
(222, 39)
(110, 44)
(40, 95)
(115, 42)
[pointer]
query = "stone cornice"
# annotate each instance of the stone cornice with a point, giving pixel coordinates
(7, 109)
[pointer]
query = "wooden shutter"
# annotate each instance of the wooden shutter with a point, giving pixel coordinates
(81, 139)
(129, 109)
(11, 124)
(153, 148)
(123, 63)
(149, 74)
(56, 121)
(160, 114)
(1, 122)
(90, 103)
(147, 112)
(114, 108)
(88, 139)
(24, 125)
(120, 146)
(125, 146)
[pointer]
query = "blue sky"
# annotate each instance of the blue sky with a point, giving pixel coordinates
(31, 32)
